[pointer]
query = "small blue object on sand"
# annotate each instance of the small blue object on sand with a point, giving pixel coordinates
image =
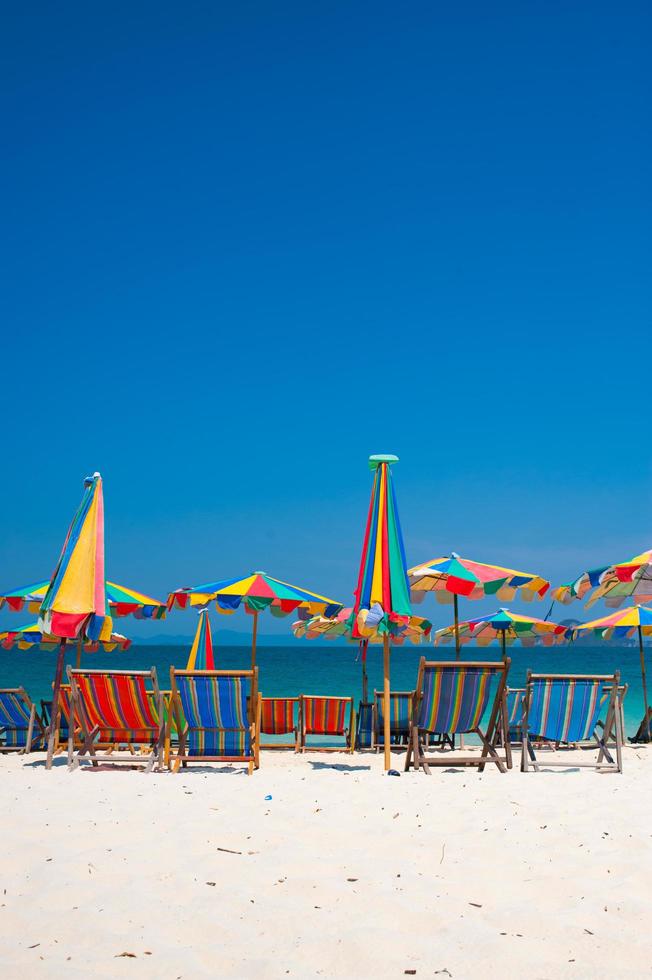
(393, 772)
(268, 797)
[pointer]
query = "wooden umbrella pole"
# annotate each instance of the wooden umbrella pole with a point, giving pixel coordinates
(386, 727)
(504, 632)
(79, 651)
(253, 640)
(644, 679)
(457, 627)
(55, 710)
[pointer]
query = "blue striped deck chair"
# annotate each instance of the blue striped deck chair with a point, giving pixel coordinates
(514, 713)
(20, 727)
(454, 697)
(217, 714)
(565, 709)
(365, 734)
(400, 717)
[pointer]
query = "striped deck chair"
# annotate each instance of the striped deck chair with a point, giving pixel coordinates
(113, 709)
(217, 715)
(452, 697)
(565, 709)
(327, 716)
(514, 701)
(279, 717)
(20, 727)
(400, 716)
(366, 731)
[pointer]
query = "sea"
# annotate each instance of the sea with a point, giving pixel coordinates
(335, 669)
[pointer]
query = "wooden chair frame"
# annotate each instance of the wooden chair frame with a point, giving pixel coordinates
(175, 761)
(416, 752)
(34, 720)
(89, 735)
(297, 728)
(348, 734)
(612, 726)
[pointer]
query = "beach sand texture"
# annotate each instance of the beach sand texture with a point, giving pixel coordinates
(343, 873)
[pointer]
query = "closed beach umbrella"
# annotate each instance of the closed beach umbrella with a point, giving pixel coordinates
(382, 597)
(30, 637)
(201, 652)
(74, 605)
(634, 620)
(256, 592)
(506, 627)
(455, 576)
(614, 583)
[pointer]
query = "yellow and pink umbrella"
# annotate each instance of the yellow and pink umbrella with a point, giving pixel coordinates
(454, 576)
(506, 627)
(614, 583)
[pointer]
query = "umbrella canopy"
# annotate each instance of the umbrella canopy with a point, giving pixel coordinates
(257, 591)
(121, 600)
(634, 620)
(201, 653)
(30, 637)
(74, 604)
(415, 629)
(507, 627)
(613, 583)
(382, 597)
(455, 576)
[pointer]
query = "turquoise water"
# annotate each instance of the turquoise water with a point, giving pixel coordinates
(330, 669)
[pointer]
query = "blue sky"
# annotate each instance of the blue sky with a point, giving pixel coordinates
(248, 244)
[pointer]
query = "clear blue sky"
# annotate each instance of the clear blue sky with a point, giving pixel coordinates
(245, 245)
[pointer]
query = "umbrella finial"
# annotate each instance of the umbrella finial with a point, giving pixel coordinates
(378, 458)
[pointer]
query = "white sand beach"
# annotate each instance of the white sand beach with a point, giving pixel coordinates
(344, 872)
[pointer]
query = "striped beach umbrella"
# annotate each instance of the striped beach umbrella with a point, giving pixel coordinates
(631, 621)
(30, 637)
(506, 627)
(201, 652)
(455, 576)
(121, 601)
(256, 592)
(382, 597)
(614, 583)
(74, 604)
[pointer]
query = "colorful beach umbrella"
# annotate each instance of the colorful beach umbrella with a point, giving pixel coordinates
(455, 576)
(506, 627)
(74, 604)
(614, 583)
(415, 631)
(382, 596)
(634, 620)
(30, 637)
(256, 592)
(121, 601)
(201, 653)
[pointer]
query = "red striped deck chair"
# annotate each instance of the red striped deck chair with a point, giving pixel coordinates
(454, 697)
(20, 727)
(564, 710)
(278, 716)
(114, 709)
(217, 713)
(327, 716)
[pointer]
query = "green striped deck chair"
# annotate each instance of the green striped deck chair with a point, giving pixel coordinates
(217, 716)
(400, 717)
(565, 709)
(454, 697)
(280, 716)
(20, 727)
(326, 716)
(114, 708)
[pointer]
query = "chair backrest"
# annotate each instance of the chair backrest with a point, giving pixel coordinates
(277, 716)
(216, 699)
(566, 707)
(324, 715)
(15, 708)
(515, 705)
(453, 695)
(365, 734)
(400, 710)
(116, 701)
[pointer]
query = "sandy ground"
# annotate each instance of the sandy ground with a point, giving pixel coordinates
(344, 872)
